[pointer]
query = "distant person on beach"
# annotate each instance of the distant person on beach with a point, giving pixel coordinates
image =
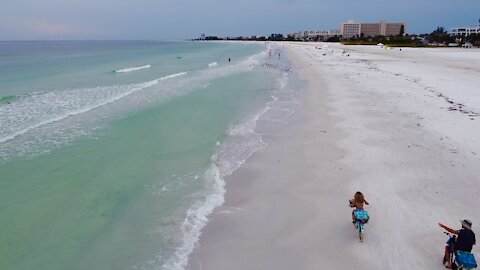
(357, 202)
(464, 241)
(229, 59)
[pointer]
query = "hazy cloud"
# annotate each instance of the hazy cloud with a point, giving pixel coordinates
(180, 19)
(36, 26)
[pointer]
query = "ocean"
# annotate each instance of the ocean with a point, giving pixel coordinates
(114, 153)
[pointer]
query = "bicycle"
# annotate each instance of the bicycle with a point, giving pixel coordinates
(460, 260)
(361, 218)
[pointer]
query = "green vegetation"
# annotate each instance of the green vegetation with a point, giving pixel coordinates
(474, 39)
(392, 41)
(440, 36)
(389, 44)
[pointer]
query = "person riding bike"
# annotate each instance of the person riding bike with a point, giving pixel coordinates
(357, 202)
(464, 241)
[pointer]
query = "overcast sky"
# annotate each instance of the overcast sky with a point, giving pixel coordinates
(181, 19)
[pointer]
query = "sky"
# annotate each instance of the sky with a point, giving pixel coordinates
(185, 19)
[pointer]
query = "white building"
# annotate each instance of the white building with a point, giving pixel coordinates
(335, 32)
(466, 30)
(314, 35)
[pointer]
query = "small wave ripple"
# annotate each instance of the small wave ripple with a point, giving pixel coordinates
(130, 69)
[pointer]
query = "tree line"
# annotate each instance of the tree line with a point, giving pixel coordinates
(439, 36)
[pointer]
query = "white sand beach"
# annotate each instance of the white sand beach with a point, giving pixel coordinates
(402, 126)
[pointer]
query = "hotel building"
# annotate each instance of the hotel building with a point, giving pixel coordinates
(314, 35)
(351, 29)
(466, 30)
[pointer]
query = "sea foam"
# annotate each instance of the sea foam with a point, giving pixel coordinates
(242, 141)
(130, 69)
(32, 111)
(39, 122)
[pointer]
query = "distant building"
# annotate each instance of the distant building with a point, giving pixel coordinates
(466, 30)
(382, 28)
(393, 29)
(335, 32)
(350, 29)
(314, 35)
(370, 29)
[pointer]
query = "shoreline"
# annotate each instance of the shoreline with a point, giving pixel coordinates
(376, 121)
(255, 213)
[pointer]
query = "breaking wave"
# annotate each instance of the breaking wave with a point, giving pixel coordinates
(38, 109)
(130, 69)
(242, 141)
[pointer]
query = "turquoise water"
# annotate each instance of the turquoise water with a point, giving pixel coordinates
(118, 170)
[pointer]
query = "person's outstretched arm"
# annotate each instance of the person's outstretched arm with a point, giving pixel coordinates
(450, 230)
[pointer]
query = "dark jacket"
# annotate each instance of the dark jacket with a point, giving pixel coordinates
(465, 240)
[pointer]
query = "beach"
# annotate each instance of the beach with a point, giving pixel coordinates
(399, 125)
(233, 155)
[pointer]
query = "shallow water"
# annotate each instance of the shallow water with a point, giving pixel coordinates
(108, 170)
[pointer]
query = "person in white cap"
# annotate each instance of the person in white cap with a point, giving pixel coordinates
(465, 240)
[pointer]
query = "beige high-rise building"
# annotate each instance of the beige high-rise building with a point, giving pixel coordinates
(350, 29)
(394, 29)
(370, 29)
(382, 28)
